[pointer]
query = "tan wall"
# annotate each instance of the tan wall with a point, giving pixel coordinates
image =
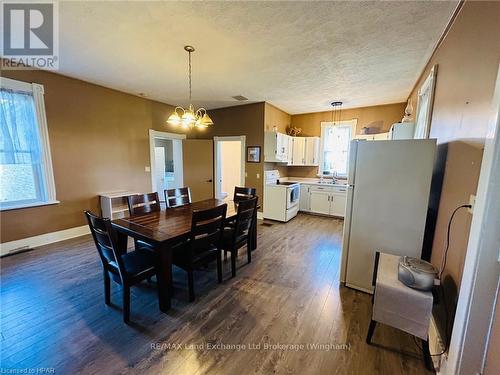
(382, 116)
(99, 142)
(244, 120)
(467, 61)
(492, 362)
(275, 117)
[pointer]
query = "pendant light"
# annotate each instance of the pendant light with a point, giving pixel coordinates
(189, 118)
(336, 112)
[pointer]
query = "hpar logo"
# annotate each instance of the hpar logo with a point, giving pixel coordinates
(30, 35)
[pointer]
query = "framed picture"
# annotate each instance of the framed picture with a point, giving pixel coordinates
(253, 154)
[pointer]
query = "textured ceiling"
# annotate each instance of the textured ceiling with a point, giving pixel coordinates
(298, 56)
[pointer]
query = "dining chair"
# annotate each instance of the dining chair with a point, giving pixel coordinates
(126, 269)
(139, 204)
(177, 197)
(237, 236)
(201, 247)
(241, 193)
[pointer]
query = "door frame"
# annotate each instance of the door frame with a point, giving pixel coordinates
(161, 135)
(480, 280)
(241, 138)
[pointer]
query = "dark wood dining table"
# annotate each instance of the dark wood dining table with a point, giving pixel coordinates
(166, 228)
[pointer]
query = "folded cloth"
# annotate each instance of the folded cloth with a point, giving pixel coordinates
(397, 305)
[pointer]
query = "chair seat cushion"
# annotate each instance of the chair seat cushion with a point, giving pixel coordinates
(137, 262)
(181, 255)
(226, 242)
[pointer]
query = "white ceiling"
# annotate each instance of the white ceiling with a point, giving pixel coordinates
(298, 56)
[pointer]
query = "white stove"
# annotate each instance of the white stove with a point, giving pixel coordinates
(281, 198)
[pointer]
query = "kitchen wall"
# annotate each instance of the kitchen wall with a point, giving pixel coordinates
(244, 120)
(275, 117)
(99, 143)
(381, 116)
(467, 62)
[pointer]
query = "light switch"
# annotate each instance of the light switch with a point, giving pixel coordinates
(147, 169)
(246, 174)
(258, 175)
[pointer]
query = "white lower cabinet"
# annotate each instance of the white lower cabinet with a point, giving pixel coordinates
(325, 200)
(305, 198)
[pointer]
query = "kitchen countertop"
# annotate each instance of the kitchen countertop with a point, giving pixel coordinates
(312, 181)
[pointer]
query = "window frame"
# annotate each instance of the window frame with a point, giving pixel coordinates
(45, 182)
(329, 124)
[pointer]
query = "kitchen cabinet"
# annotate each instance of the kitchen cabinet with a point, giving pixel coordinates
(298, 151)
(328, 200)
(312, 151)
(276, 147)
(305, 198)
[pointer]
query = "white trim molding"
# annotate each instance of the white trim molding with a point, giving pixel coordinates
(328, 124)
(13, 247)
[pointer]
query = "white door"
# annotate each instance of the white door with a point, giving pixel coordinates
(320, 202)
(298, 151)
(338, 204)
(229, 165)
(160, 169)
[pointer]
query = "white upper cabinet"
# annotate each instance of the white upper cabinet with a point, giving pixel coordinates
(299, 151)
(312, 150)
(275, 147)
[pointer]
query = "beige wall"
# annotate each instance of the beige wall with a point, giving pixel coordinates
(99, 142)
(382, 116)
(467, 62)
(492, 362)
(275, 117)
(244, 120)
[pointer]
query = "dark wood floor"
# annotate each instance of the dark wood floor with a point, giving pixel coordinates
(53, 314)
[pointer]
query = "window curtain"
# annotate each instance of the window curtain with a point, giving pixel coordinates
(19, 141)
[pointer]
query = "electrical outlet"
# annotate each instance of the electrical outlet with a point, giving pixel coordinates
(147, 169)
(472, 202)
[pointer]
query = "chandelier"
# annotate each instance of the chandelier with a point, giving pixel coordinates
(189, 118)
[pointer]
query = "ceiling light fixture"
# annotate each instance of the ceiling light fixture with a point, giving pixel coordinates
(336, 112)
(189, 118)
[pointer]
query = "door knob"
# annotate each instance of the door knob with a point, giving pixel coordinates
(209, 180)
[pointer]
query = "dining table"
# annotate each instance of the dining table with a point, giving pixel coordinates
(164, 229)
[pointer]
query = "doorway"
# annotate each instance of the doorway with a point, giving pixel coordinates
(166, 160)
(229, 165)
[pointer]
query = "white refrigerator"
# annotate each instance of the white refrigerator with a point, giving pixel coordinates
(387, 201)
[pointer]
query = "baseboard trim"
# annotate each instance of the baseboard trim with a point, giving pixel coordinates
(436, 345)
(24, 244)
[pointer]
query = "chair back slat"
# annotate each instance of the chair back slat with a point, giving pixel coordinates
(245, 216)
(207, 227)
(177, 197)
(105, 241)
(139, 204)
(243, 193)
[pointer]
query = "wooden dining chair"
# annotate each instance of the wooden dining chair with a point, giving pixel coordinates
(139, 204)
(177, 197)
(237, 236)
(242, 193)
(201, 248)
(126, 269)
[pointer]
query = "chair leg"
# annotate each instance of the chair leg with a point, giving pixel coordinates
(225, 255)
(249, 253)
(233, 262)
(107, 288)
(126, 303)
(219, 266)
(427, 355)
(371, 329)
(191, 285)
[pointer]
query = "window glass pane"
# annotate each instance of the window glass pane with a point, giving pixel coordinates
(336, 149)
(20, 150)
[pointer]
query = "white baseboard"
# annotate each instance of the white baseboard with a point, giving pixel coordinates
(436, 345)
(42, 239)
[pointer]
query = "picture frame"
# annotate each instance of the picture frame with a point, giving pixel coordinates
(253, 154)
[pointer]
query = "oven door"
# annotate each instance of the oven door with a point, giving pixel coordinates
(292, 196)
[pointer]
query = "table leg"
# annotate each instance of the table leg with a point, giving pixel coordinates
(164, 276)
(371, 329)
(122, 242)
(253, 233)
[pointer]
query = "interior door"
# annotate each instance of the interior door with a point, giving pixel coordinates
(198, 160)
(320, 202)
(160, 169)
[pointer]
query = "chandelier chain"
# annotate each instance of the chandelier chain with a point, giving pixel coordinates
(189, 76)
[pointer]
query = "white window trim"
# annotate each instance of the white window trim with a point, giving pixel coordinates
(41, 117)
(325, 125)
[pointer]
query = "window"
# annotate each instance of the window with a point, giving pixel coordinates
(26, 177)
(335, 141)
